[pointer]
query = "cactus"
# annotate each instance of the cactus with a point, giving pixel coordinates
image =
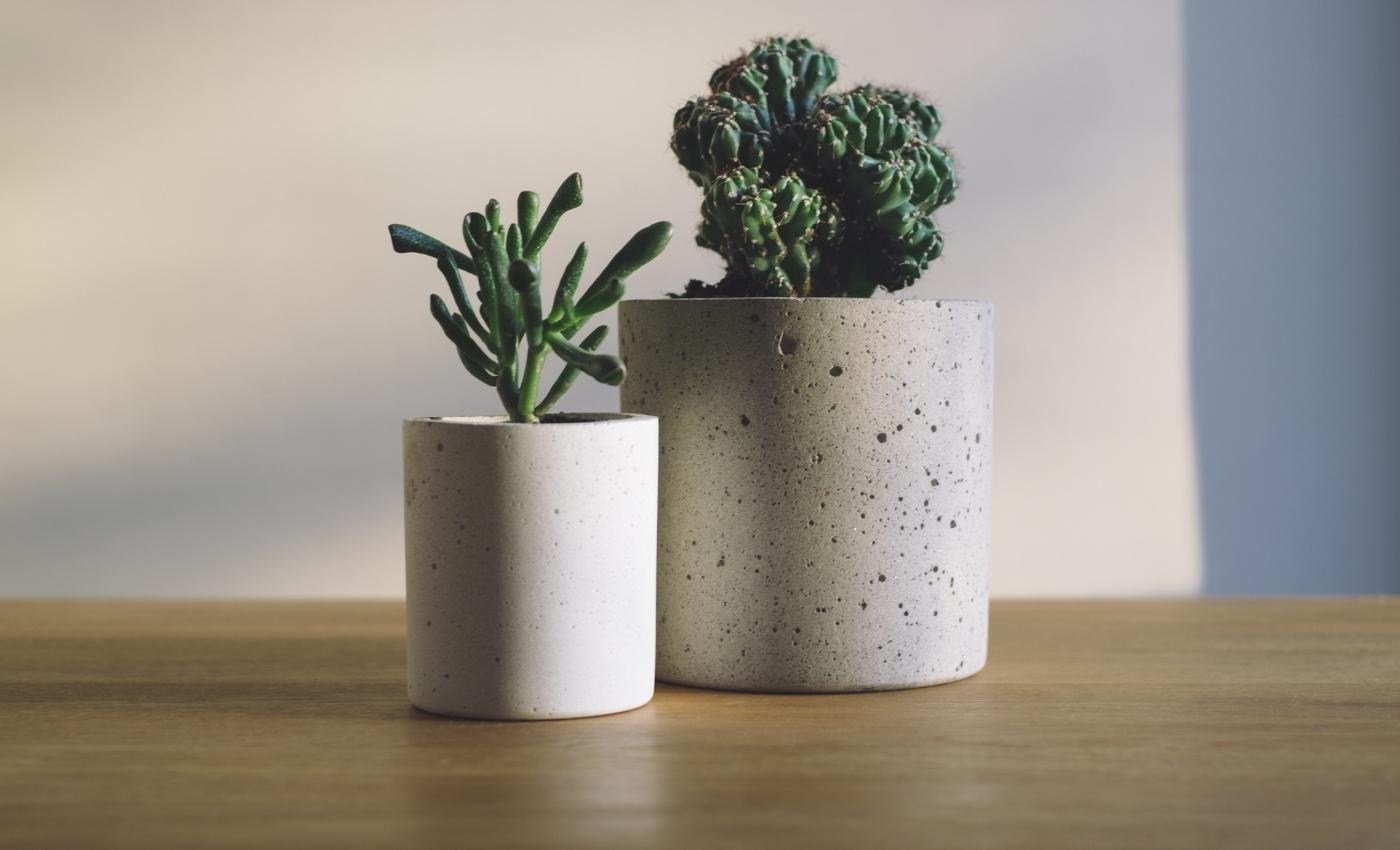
(510, 311)
(807, 193)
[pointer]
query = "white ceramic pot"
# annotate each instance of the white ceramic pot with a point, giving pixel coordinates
(825, 488)
(531, 561)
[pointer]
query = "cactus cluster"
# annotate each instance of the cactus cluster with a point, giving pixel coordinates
(808, 193)
(504, 259)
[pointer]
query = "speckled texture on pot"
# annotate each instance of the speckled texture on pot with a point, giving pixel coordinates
(825, 488)
(531, 565)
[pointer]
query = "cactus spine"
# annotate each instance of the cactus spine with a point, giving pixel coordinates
(505, 340)
(807, 193)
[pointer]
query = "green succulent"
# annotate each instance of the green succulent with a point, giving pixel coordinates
(509, 311)
(771, 230)
(808, 193)
(716, 134)
(781, 77)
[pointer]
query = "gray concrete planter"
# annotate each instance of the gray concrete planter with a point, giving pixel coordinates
(531, 565)
(825, 488)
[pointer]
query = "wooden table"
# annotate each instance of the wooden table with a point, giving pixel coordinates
(1189, 724)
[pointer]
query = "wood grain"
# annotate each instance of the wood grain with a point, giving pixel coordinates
(1240, 724)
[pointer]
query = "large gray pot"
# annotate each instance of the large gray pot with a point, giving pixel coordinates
(824, 490)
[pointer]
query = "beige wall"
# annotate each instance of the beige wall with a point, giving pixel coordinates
(206, 344)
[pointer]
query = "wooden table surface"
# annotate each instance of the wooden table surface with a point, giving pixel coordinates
(1197, 724)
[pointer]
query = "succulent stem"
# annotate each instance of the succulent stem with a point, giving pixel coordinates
(525, 409)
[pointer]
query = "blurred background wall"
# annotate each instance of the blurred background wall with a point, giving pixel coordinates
(206, 345)
(1293, 176)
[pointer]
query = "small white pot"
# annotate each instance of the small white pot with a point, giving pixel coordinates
(531, 565)
(825, 488)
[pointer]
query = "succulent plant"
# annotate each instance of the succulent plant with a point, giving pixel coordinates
(808, 193)
(509, 311)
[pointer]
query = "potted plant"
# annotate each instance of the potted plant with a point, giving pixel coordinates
(825, 457)
(530, 537)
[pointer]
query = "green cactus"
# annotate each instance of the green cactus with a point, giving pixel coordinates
(770, 230)
(808, 193)
(510, 310)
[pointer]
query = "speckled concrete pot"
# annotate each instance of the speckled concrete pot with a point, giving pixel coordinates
(825, 488)
(531, 560)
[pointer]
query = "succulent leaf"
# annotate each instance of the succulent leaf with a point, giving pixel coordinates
(513, 244)
(474, 230)
(644, 246)
(600, 367)
(568, 196)
(507, 315)
(596, 300)
(527, 213)
(406, 240)
(525, 280)
(562, 311)
(473, 358)
(459, 297)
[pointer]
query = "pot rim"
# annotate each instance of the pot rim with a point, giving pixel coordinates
(823, 299)
(601, 419)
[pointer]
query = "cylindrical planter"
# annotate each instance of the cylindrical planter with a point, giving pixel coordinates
(825, 488)
(531, 565)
